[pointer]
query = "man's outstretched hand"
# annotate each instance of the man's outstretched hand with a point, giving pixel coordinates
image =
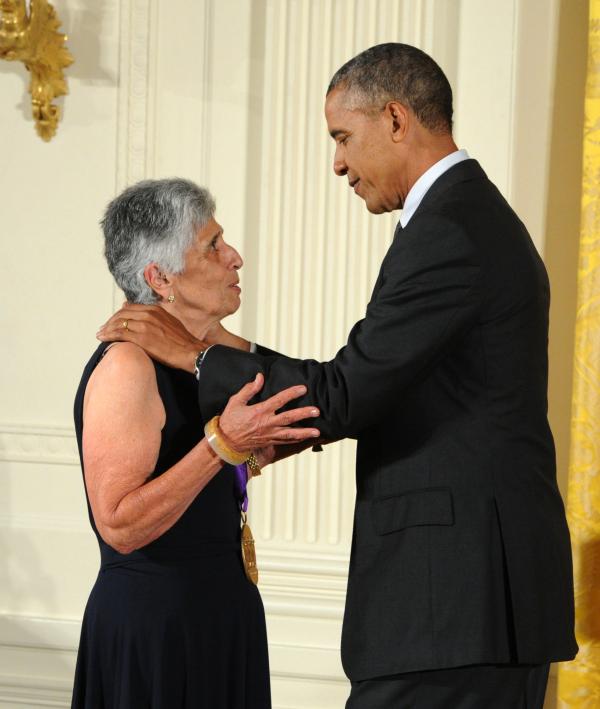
(157, 332)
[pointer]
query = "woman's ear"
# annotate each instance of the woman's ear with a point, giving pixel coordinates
(158, 280)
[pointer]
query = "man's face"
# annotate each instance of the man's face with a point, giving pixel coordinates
(364, 152)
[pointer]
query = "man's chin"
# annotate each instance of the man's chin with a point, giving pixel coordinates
(376, 208)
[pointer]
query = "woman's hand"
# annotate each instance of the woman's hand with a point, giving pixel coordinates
(273, 454)
(248, 428)
(265, 456)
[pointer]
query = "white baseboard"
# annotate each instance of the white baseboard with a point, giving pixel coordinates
(31, 693)
(37, 660)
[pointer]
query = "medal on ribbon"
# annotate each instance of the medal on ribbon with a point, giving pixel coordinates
(247, 540)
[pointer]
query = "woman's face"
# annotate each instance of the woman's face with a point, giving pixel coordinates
(209, 281)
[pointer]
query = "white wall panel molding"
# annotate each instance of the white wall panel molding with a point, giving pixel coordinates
(132, 101)
(29, 692)
(133, 91)
(206, 71)
(536, 41)
(483, 92)
(54, 445)
(39, 633)
(503, 98)
(307, 560)
(44, 522)
(181, 88)
(37, 659)
(316, 662)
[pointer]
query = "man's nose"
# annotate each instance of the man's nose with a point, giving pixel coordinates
(339, 165)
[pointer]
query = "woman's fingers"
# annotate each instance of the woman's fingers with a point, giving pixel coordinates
(249, 390)
(291, 435)
(289, 417)
(249, 427)
(279, 400)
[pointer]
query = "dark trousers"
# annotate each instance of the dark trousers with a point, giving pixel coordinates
(477, 687)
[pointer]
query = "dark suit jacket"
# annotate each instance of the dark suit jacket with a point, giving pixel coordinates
(460, 551)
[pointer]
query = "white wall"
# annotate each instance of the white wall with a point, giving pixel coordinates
(228, 93)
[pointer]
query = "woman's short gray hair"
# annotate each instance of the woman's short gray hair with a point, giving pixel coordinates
(153, 221)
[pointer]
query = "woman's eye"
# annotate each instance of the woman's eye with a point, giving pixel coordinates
(213, 245)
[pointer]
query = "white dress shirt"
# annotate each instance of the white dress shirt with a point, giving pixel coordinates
(422, 185)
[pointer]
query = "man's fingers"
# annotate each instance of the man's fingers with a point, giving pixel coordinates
(289, 417)
(136, 312)
(115, 336)
(282, 398)
(117, 332)
(136, 321)
(115, 320)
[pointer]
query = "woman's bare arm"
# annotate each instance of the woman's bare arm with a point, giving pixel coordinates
(123, 418)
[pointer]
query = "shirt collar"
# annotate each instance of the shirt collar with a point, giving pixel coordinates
(422, 185)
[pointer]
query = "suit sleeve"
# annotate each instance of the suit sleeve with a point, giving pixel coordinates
(430, 293)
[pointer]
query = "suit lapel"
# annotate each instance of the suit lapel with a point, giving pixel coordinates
(464, 171)
(379, 281)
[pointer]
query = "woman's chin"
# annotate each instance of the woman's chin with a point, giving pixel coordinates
(234, 304)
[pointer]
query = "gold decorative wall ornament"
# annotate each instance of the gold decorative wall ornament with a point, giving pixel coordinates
(34, 39)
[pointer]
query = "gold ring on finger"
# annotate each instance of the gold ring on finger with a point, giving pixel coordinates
(125, 325)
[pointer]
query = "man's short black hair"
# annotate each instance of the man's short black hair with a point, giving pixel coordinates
(398, 72)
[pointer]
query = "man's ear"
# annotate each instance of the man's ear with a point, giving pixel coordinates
(158, 280)
(399, 117)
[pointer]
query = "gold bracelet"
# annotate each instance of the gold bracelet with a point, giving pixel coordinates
(214, 438)
(253, 465)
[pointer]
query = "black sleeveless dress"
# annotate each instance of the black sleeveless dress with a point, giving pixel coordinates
(175, 624)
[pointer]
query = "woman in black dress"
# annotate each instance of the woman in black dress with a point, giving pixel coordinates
(172, 621)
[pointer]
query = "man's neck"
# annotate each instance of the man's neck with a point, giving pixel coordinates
(426, 156)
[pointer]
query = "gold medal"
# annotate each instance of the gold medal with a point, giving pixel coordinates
(248, 552)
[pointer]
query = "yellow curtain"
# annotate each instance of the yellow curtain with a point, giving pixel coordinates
(579, 681)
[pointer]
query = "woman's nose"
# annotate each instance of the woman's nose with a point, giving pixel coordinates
(236, 260)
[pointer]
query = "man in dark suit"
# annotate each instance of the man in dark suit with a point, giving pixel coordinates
(460, 584)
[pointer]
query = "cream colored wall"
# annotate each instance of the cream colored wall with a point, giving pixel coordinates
(228, 93)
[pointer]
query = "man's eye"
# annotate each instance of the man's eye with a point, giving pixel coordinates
(343, 141)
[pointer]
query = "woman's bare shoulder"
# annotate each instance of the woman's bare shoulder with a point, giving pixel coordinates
(124, 359)
(125, 373)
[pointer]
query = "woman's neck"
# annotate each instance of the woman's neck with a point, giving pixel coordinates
(207, 328)
(197, 323)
